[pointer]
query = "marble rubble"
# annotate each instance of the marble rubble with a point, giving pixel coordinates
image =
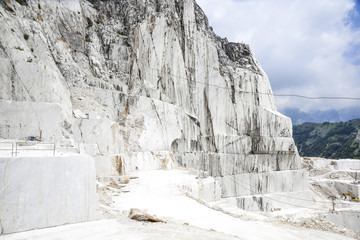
(142, 85)
(334, 178)
(335, 170)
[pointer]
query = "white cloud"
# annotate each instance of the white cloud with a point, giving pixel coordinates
(299, 43)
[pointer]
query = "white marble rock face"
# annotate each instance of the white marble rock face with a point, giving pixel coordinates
(146, 76)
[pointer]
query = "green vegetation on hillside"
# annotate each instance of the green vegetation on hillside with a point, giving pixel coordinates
(328, 140)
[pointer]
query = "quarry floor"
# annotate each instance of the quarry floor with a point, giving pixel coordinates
(158, 192)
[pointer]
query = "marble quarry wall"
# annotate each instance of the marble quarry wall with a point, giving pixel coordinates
(133, 77)
(19, 120)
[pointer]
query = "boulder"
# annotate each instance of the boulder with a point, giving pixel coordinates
(143, 215)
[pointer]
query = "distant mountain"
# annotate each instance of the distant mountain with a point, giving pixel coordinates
(316, 116)
(328, 140)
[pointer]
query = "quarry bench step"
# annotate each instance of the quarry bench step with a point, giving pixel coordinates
(18, 147)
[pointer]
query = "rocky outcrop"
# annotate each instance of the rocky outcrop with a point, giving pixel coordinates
(147, 76)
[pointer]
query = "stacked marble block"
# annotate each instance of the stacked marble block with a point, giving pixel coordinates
(256, 172)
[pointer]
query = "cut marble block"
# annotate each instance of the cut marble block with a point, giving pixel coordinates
(348, 219)
(203, 189)
(347, 187)
(262, 183)
(39, 192)
(275, 201)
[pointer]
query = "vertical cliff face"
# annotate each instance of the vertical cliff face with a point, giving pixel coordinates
(152, 76)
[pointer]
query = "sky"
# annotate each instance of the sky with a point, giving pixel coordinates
(306, 47)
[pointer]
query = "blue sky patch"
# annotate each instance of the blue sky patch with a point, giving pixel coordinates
(354, 16)
(354, 20)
